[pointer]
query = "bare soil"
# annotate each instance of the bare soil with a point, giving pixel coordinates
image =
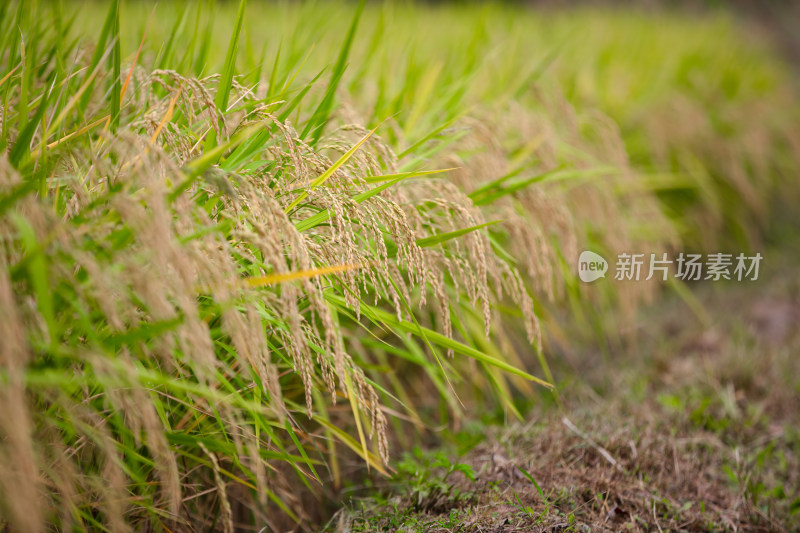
(693, 427)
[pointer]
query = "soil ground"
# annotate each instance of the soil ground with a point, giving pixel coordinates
(695, 427)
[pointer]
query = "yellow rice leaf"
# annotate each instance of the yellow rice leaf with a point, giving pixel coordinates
(272, 279)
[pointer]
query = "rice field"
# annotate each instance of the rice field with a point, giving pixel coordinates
(252, 252)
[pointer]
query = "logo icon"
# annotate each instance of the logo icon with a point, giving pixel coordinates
(591, 266)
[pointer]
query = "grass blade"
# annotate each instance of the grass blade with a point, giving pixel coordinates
(324, 215)
(328, 173)
(433, 240)
(226, 79)
(351, 443)
(98, 55)
(37, 269)
(320, 117)
(21, 151)
(116, 69)
(381, 316)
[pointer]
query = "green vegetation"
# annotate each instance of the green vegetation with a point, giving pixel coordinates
(243, 245)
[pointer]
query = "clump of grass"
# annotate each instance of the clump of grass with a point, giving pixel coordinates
(182, 316)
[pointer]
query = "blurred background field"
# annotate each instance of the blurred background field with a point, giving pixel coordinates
(680, 88)
(226, 296)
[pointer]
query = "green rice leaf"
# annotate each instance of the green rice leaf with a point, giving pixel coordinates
(226, 79)
(433, 240)
(384, 317)
(333, 168)
(318, 120)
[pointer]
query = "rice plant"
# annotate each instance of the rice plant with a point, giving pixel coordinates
(232, 258)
